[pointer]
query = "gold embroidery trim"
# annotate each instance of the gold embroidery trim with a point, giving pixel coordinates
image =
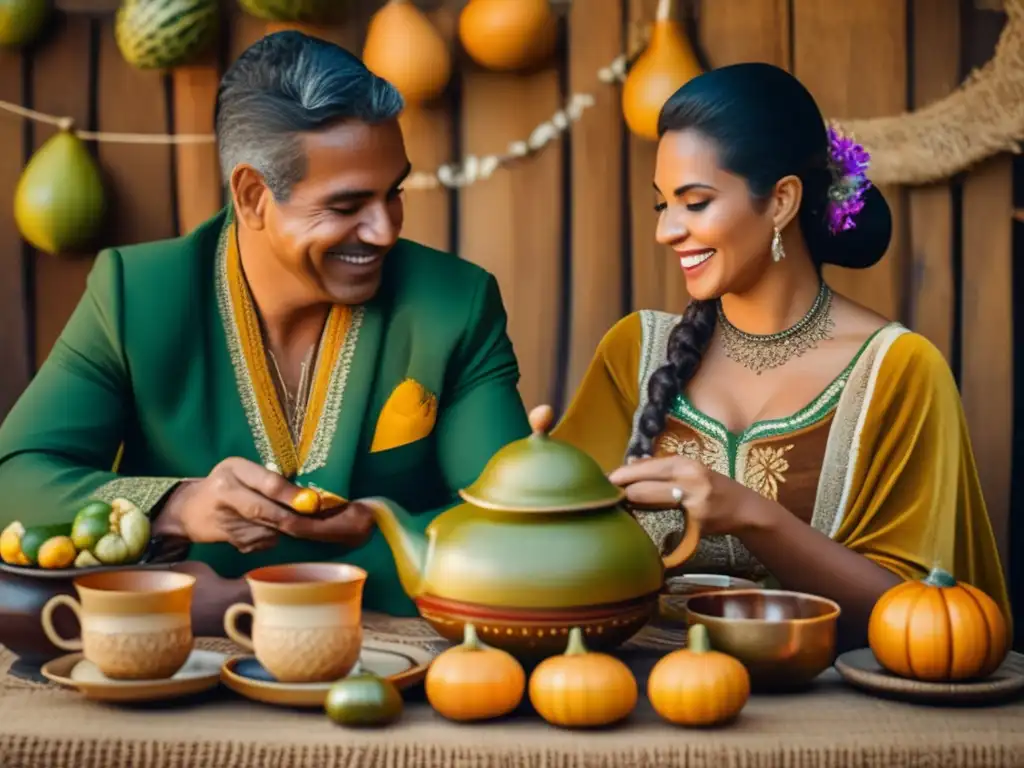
(143, 492)
(338, 323)
(766, 467)
(256, 373)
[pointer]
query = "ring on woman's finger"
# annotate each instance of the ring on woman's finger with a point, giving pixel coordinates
(677, 496)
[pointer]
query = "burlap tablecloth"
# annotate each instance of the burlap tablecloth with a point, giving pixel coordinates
(42, 726)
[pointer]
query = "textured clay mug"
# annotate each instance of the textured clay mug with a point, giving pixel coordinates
(135, 625)
(306, 620)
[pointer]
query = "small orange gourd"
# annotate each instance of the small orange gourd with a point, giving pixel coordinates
(938, 629)
(508, 35)
(697, 685)
(474, 681)
(580, 689)
(404, 48)
(665, 65)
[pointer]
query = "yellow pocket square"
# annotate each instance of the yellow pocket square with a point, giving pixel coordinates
(407, 416)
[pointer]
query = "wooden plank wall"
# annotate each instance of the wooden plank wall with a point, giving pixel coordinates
(569, 233)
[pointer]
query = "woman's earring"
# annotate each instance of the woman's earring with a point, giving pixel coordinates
(778, 252)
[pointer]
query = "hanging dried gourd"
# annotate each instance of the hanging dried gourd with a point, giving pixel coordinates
(508, 35)
(665, 65)
(22, 21)
(59, 201)
(160, 34)
(404, 48)
(301, 11)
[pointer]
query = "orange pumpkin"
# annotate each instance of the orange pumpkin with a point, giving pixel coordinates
(696, 685)
(474, 681)
(938, 629)
(582, 689)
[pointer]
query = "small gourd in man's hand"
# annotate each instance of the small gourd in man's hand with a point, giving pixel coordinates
(363, 699)
(581, 689)
(696, 685)
(474, 681)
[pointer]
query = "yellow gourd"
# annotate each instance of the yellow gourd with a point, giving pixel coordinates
(667, 63)
(404, 48)
(508, 35)
(58, 552)
(60, 202)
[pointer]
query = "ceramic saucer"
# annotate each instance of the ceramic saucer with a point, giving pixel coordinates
(861, 669)
(404, 665)
(200, 673)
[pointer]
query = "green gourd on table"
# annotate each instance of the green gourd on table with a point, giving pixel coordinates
(363, 699)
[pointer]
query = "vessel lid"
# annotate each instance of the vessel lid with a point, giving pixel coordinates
(541, 474)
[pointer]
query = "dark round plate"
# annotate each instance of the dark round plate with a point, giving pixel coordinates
(34, 572)
(861, 669)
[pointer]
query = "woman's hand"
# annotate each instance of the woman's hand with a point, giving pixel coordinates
(715, 502)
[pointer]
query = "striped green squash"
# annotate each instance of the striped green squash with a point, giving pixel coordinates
(303, 11)
(159, 34)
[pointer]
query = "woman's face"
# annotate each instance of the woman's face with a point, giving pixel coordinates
(707, 216)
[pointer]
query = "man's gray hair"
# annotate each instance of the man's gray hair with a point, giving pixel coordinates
(286, 84)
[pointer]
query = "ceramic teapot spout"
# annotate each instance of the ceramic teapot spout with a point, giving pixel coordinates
(408, 545)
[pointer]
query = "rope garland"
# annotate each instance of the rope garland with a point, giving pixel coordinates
(450, 175)
(67, 124)
(982, 117)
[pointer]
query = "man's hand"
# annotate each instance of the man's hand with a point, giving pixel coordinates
(239, 502)
(351, 526)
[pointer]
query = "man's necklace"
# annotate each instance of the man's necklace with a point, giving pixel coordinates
(295, 405)
(758, 352)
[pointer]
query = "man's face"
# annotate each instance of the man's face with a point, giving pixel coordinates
(340, 221)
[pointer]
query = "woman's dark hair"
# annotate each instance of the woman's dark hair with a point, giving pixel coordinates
(765, 125)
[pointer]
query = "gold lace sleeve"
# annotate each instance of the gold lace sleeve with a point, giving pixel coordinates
(599, 418)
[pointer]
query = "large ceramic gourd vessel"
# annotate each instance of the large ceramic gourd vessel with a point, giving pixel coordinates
(541, 543)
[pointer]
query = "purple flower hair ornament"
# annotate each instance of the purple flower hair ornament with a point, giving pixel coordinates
(848, 163)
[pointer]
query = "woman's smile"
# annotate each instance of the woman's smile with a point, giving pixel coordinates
(692, 259)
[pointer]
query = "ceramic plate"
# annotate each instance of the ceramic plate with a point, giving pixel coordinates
(860, 669)
(200, 673)
(404, 665)
(35, 572)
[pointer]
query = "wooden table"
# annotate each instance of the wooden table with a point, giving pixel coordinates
(831, 725)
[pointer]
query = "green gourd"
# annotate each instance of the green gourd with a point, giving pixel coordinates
(160, 34)
(117, 536)
(363, 699)
(59, 201)
(301, 11)
(22, 21)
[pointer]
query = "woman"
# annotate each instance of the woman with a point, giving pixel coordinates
(814, 442)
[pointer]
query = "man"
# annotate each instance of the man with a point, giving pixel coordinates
(292, 340)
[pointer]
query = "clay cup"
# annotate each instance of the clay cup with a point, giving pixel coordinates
(135, 625)
(306, 620)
